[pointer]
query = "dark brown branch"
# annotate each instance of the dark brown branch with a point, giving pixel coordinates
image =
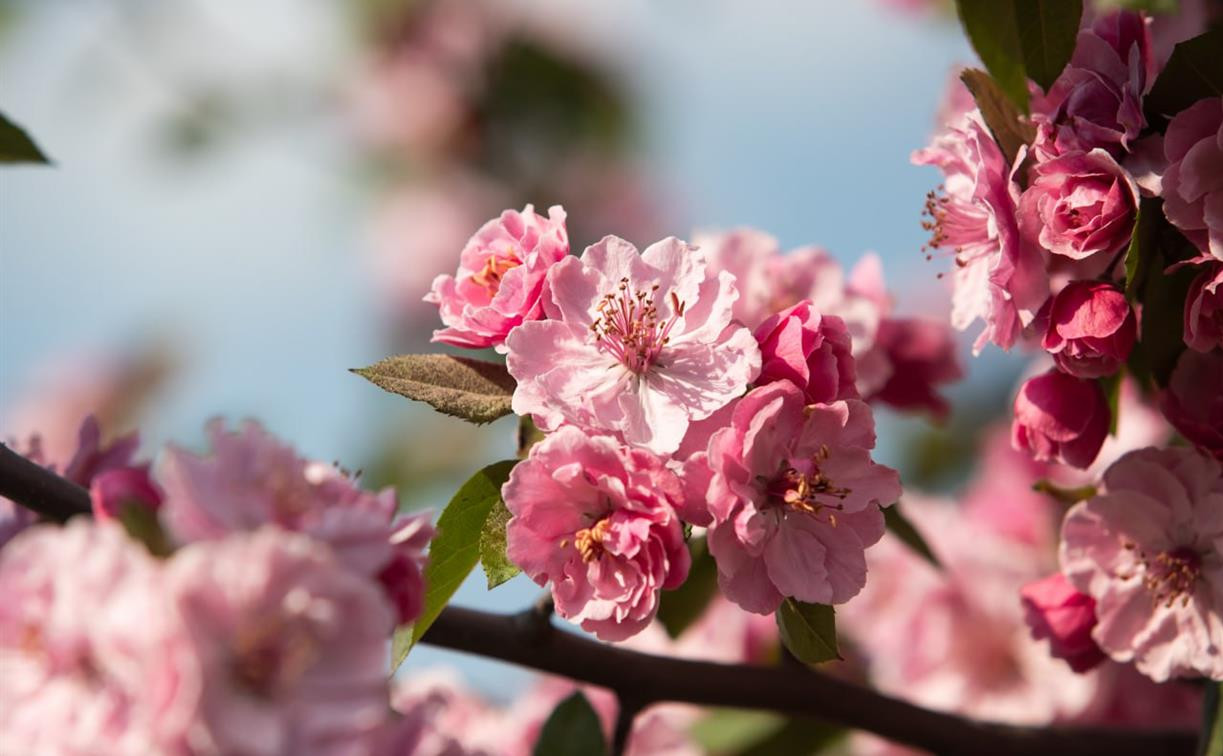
(39, 489)
(647, 679)
(530, 640)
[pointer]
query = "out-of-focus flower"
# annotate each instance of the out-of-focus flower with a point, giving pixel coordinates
(1193, 182)
(920, 355)
(252, 479)
(447, 719)
(501, 278)
(415, 233)
(1060, 418)
(1079, 204)
(996, 279)
(291, 646)
(953, 638)
(638, 344)
(1091, 329)
(597, 521)
(1053, 609)
(810, 351)
(1193, 399)
(1204, 309)
(1096, 102)
(795, 498)
(91, 657)
(1147, 550)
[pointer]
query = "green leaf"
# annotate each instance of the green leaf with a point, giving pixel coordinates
(808, 630)
(454, 551)
(1004, 120)
(497, 566)
(1139, 254)
(1211, 741)
(1163, 306)
(1194, 72)
(143, 525)
(1066, 496)
(1111, 386)
(572, 729)
(734, 730)
(678, 609)
(1048, 30)
(528, 436)
(16, 146)
(990, 26)
(474, 390)
(1019, 40)
(900, 527)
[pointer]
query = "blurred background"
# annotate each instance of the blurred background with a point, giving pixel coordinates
(248, 198)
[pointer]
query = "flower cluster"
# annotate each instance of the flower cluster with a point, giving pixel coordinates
(1045, 241)
(264, 585)
(717, 385)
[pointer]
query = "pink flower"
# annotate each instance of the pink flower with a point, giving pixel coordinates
(1147, 550)
(952, 637)
(795, 498)
(252, 479)
(1053, 609)
(640, 344)
(1060, 418)
(1079, 204)
(1204, 310)
(1091, 329)
(291, 646)
(1193, 399)
(500, 280)
(920, 354)
(808, 350)
(92, 660)
(996, 279)
(1097, 100)
(597, 521)
(115, 490)
(1193, 182)
(448, 719)
(747, 254)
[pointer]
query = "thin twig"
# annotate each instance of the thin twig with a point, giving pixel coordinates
(39, 489)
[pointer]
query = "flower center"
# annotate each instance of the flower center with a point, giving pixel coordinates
(1169, 575)
(589, 541)
(265, 658)
(495, 266)
(956, 229)
(805, 488)
(628, 326)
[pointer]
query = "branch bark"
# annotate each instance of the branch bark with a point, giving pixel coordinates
(529, 639)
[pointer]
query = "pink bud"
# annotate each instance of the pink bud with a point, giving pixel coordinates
(1053, 609)
(1091, 329)
(114, 490)
(1060, 418)
(810, 350)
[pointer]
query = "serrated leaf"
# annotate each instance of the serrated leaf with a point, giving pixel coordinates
(678, 609)
(900, 526)
(473, 390)
(454, 551)
(1193, 72)
(16, 146)
(497, 566)
(809, 631)
(572, 729)
(1004, 120)
(1048, 30)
